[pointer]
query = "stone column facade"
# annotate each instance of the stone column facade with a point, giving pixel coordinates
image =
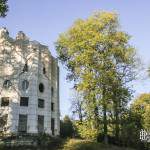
(29, 78)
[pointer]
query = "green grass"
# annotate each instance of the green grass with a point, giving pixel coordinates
(69, 144)
(76, 144)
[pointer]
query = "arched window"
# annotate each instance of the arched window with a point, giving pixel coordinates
(7, 84)
(44, 70)
(41, 87)
(25, 85)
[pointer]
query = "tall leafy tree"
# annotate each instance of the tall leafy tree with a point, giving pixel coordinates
(101, 62)
(3, 8)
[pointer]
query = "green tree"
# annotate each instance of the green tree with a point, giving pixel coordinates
(141, 107)
(3, 8)
(66, 127)
(101, 62)
(135, 119)
(146, 117)
(130, 129)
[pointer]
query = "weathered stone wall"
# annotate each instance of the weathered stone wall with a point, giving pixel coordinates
(14, 54)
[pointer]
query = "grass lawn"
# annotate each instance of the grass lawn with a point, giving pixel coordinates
(76, 144)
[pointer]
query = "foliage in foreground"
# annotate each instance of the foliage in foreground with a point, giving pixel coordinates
(85, 131)
(41, 142)
(75, 144)
(141, 108)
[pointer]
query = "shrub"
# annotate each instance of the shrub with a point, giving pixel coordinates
(85, 131)
(66, 127)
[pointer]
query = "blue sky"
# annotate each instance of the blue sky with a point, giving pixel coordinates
(43, 20)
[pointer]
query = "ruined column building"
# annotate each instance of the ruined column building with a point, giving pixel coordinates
(29, 86)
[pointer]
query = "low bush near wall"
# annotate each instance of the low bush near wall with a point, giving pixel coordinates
(41, 142)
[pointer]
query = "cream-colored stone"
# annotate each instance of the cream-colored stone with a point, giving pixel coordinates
(14, 54)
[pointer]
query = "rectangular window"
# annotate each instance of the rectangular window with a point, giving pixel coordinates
(24, 101)
(52, 91)
(52, 106)
(53, 126)
(40, 103)
(22, 124)
(40, 124)
(4, 101)
(3, 121)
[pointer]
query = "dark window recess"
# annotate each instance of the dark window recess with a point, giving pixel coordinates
(40, 124)
(24, 101)
(41, 103)
(52, 91)
(53, 126)
(3, 121)
(44, 70)
(25, 85)
(5, 101)
(52, 106)
(25, 68)
(41, 87)
(22, 125)
(7, 84)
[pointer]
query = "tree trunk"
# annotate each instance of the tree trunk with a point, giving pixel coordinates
(116, 122)
(105, 117)
(80, 115)
(116, 112)
(105, 124)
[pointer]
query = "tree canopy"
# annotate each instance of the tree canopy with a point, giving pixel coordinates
(101, 62)
(3, 8)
